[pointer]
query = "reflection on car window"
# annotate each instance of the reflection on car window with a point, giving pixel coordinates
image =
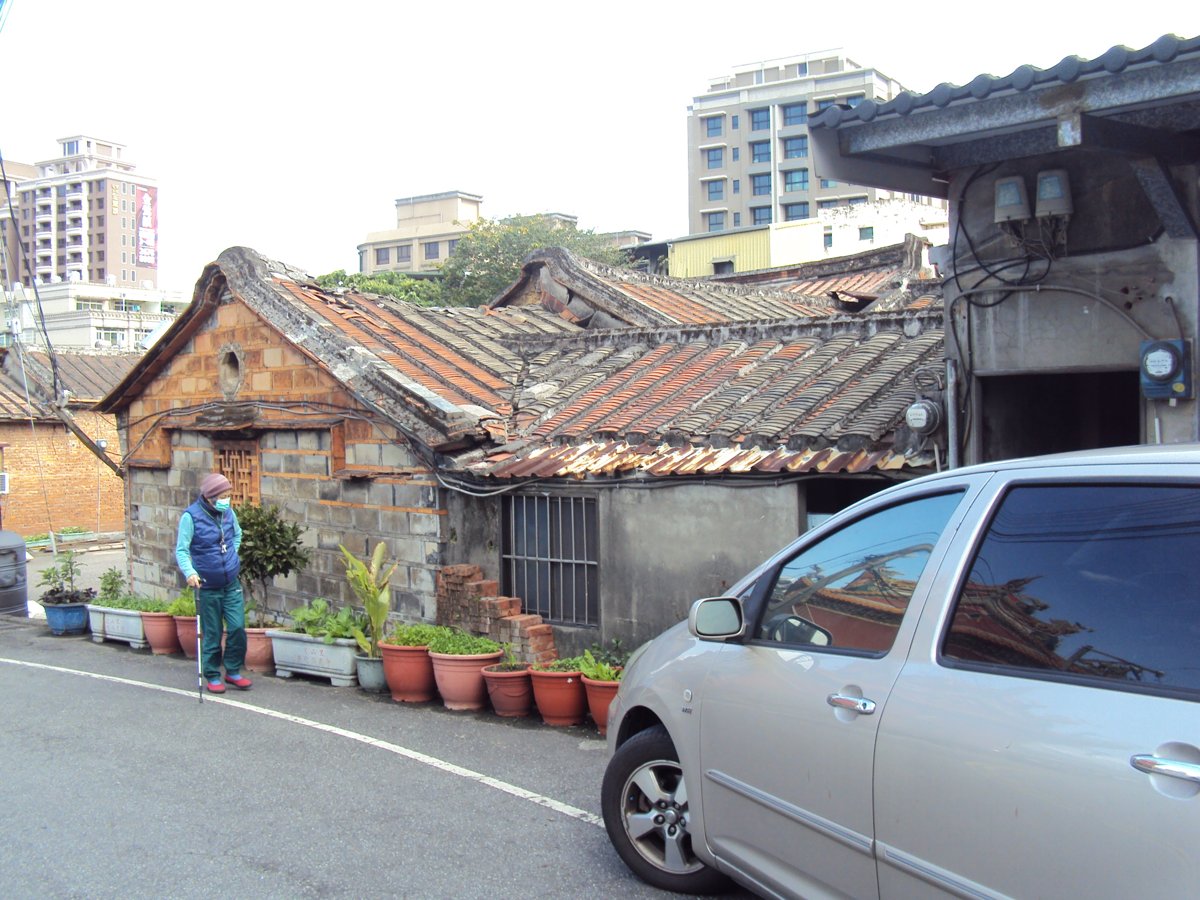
(852, 588)
(1093, 581)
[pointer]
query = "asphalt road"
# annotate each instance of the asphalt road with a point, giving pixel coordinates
(115, 781)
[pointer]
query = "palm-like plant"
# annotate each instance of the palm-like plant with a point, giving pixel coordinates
(370, 585)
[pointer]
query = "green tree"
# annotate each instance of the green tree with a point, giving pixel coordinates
(270, 546)
(421, 291)
(488, 256)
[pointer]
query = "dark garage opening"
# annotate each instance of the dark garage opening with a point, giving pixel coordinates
(1027, 415)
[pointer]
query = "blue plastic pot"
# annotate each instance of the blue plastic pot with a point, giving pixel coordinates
(67, 618)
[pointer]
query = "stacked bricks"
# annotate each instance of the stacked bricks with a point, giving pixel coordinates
(466, 600)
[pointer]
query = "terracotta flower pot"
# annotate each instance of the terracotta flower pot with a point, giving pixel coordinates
(599, 696)
(511, 692)
(160, 632)
(459, 678)
(185, 630)
(559, 696)
(409, 673)
(259, 654)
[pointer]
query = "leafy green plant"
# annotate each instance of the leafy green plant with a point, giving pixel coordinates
(73, 529)
(510, 662)
(598, 671)
(112, 584)
(370, 585)
(415, 634)
(59, 581)
(270, 546)
(151, 604)
(318, 619)
(461, 643)
(566, 664)
(613, 655)
(184, 604)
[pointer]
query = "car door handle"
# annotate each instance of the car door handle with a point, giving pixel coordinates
(860, 705)
(1172, 768)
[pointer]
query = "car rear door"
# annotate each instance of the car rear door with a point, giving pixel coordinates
(1044, 738)
(788, 718)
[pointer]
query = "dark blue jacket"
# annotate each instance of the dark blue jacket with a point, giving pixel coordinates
(216, 569)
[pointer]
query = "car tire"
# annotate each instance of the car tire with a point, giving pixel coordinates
(644, 801)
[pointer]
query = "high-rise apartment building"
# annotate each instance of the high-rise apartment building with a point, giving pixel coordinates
(84, 216)
(748, 146)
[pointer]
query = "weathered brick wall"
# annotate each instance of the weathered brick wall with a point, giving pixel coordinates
(468, 601)
(56, 482)
(322, 458)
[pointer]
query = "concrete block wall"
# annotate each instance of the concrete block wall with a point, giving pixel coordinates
(466, 600)
(56, 482)
(363, 486)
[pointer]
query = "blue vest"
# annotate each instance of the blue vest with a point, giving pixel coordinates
(216, 569)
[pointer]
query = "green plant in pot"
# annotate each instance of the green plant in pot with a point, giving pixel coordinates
(64, 603)
(270, 546)
(369, 582)
(318, 619)
(331, 631)
(509, 686)
(407, 668)
(458, 660)
(601, 681)
(559, 692)
(183, 610)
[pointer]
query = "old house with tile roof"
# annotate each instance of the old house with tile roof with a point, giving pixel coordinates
(55, 481)
(606, 446)
(1073, 271)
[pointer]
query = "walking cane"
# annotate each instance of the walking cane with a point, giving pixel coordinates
(199, 663)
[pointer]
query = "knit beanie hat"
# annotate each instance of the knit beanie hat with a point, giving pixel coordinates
(214, 484)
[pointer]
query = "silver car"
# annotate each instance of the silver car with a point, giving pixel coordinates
(985, 683)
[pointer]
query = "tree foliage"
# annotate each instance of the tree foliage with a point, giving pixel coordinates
(421, 291)
(488, 256)
(270, 546)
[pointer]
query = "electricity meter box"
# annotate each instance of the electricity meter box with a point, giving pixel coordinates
(1165, 370)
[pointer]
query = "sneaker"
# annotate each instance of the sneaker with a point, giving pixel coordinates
(215, 687)
(241, 682)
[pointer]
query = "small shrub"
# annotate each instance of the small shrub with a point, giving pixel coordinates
(112, 584)
(317, 619)
(567, 664)
(184, 604)
(417, 634)
(598, 671)
(461, 643)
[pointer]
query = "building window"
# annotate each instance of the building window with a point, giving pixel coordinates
(715, 221)
(733, 123)
(795, 147)
(824, 104)
(450, 246)
(714, 126)
(760, 151)
(760, 119)
(108, 336)
(88, 304)
(856, 201)
(716, 190)
(760, 185)
(724, 267)
(826, 204)
(550, 558)
(737, 185)
(828, 183)
(795, 211)
(714, 157)
(404, 254)
(855, 100)
(735, 154)
(762, 215)
(866, 234)
(828, 239)
(795, 180)
(383, 256)
(737, 220)
(795, 114)
(432, 250)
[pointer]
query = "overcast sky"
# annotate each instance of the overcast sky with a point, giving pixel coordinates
(292, 127)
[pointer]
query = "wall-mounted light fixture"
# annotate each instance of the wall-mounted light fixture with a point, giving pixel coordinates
(1053, 194)
(1012, 200)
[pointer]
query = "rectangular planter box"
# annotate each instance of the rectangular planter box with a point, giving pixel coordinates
(109, 624)
(295, 652)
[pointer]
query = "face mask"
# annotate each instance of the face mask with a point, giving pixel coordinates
(222, 505)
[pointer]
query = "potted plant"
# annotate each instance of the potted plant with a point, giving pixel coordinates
(183, 610)
(370, 585)
(320, 642)
(159, 626)
(558, 691)
(118, 619)
(600, 682)
(458, 659)
(406, 663)
(270, 546)
(508, 685)
(66, 606)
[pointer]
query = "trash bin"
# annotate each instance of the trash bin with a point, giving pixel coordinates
(13, 588)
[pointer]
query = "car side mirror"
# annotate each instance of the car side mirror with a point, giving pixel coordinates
(717, 619)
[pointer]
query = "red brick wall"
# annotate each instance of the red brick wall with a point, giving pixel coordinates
(56, 482)
(465, 600)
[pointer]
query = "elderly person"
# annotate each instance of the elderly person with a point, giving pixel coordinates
(207, 552)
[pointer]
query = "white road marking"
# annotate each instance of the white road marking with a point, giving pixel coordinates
(415, 755)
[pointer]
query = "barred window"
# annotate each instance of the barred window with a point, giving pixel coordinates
(550, 557)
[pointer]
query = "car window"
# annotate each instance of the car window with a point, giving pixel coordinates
(851, 589)
(1089, 581)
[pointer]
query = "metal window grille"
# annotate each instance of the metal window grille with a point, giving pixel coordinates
(238, 461)
(550, 557)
